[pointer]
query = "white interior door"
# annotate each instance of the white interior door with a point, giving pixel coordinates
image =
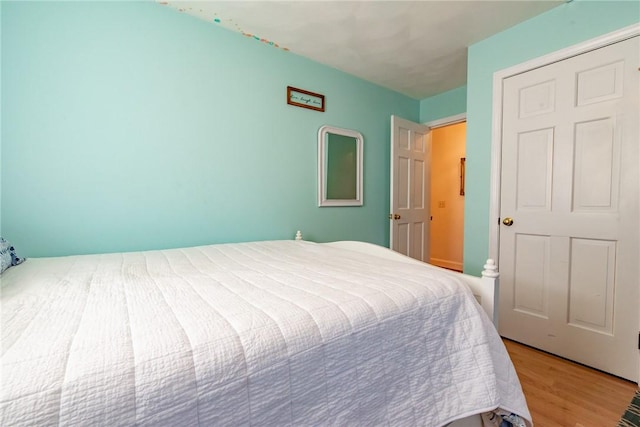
(410, 152)
(570, 183)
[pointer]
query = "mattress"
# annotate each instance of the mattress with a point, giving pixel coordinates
(276, 333)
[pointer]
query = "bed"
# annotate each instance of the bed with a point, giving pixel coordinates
(273, 333)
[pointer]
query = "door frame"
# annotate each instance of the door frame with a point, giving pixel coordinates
(434, 124)
(496, 129)
(446, 121)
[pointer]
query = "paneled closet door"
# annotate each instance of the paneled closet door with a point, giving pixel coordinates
(569, 237)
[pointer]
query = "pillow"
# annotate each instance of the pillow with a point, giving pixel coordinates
(8, 256)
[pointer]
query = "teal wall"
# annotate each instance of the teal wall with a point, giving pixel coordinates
(561, 27)
(446, 104)
(129, 126)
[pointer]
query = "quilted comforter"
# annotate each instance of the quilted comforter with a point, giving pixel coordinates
(278, 333)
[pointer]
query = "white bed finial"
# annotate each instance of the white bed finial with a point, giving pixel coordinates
(490, 276)
(490, 269)
(298, 235)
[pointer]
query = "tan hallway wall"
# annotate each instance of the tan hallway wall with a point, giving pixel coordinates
(447, 205)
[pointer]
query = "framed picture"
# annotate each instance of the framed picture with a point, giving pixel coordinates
(305, 99)
(463, 161)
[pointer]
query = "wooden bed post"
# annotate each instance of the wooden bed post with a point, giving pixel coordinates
(491, 277)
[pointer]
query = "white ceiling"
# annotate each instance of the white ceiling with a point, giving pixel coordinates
(418, 48)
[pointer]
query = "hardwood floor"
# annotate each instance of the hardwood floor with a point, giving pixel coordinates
(564, 394)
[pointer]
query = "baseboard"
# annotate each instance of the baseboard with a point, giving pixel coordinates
(451, 265)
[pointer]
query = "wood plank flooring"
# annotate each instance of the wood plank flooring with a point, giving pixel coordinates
(565, 394)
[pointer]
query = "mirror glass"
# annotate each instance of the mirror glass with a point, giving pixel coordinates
(339, 167)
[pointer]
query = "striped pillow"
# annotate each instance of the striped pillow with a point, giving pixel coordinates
(8, 256)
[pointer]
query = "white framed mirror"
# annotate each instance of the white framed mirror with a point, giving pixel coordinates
(339, 167)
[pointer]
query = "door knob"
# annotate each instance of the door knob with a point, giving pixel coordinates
(394, 216)
(508, 221)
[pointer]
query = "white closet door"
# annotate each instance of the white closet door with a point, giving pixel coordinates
(570, 260)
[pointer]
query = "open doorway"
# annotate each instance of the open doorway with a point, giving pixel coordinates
(448, 143)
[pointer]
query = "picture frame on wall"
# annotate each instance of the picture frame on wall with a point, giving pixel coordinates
(305, 99)
(463, 167)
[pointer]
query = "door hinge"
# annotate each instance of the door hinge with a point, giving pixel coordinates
(638, 340)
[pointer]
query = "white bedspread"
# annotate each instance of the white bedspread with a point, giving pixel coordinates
(279, 333)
